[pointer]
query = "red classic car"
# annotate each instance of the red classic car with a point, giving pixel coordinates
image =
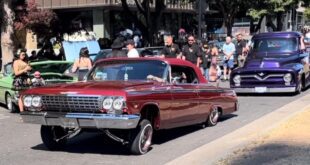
(127, 99)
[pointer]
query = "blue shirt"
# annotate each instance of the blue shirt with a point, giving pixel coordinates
(229, 48)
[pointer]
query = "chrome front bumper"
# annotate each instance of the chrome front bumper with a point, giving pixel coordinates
(82, 120)
(268, 90)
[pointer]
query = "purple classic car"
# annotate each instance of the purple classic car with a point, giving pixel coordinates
(275, 64)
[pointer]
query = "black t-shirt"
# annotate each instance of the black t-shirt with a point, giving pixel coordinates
(192, 52)
(171, 51)
(239, 46)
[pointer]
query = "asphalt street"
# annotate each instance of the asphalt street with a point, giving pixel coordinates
(21, 144)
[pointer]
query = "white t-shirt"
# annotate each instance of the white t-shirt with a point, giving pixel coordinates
(132, 53)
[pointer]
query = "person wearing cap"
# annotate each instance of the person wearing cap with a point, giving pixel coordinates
(83, 64)
(117, 51)
(37, 81)
(132, 51)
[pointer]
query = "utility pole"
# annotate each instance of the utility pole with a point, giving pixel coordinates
(199, 18)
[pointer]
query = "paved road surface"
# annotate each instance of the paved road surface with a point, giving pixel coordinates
(21, 144)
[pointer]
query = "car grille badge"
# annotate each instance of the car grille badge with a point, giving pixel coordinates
(261, 74)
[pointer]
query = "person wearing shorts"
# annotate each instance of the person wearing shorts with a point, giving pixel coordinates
(228, 61)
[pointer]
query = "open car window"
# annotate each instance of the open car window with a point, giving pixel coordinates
(183, 75)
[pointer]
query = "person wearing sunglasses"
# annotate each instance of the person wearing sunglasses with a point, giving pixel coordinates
(192, 52)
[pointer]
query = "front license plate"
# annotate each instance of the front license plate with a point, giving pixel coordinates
(260, 89)
(69, 123)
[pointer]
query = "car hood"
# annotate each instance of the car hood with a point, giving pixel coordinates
(92, 88)
(272, 60)
(50, 66)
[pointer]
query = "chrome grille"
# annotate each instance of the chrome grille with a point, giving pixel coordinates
(262, 77)
(65, 103)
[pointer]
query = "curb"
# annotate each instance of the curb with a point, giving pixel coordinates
(212, 152)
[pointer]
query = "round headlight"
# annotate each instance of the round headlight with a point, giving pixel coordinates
(107, 103)
(27, 101)
(287, 77)
(36, 101)
(237, 79)
(118, 103)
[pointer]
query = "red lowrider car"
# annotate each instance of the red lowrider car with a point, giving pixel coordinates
(127, 99)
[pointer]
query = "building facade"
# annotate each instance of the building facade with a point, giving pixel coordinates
(106, 17)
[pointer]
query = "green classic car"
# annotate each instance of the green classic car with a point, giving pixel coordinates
(51, 71)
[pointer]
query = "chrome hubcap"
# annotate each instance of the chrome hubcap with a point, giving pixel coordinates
(214, 115)
(146, 138)
(9, 102)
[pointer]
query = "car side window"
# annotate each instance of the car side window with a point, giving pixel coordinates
(183, 75)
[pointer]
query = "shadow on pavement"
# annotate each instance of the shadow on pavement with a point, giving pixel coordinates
(97, 143)
(267, 94)
(274, 153)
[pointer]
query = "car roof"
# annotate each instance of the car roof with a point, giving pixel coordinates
(277, 34)
(171, 61)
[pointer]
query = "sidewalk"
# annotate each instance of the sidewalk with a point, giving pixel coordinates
(280, 137)
(289, 143)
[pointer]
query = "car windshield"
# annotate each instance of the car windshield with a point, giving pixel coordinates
(127, 70)
(275, 45)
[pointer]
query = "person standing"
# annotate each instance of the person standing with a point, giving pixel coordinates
(214, 71)
(21, 79)
(132, 51)
(206, 60)
(241, 50)
(83, 64)
(228, 63)
(192, 52)
(170, 50)
(117, 49)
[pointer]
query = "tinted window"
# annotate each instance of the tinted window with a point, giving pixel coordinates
(275, 45)
(127, 70)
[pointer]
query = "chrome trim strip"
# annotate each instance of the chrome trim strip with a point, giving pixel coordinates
(82, 120)
(268, 90)
(260, 78)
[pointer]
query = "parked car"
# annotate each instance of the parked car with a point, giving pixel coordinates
(127, 99)
(144, 52)
(51, 71)
(276, 64)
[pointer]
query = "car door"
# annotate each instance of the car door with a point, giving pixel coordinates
(184, 104)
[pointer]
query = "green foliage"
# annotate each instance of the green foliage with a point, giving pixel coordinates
(307, 13)
(262, 8)
(30, 17)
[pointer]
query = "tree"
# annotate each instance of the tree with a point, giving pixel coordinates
(29, 16)
(257, 13)
(149, 14)
(272, 8)
(307, 13)
(7, 17)
(229, 10)
(144, 9)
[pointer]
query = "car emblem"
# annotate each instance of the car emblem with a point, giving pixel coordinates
(261, 74)
(68, 93)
